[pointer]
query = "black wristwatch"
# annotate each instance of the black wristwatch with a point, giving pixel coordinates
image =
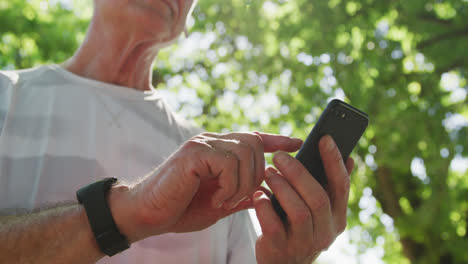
(106, 233)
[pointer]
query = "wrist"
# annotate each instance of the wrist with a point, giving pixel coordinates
(122, 207)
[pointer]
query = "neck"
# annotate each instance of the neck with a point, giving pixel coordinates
(114, 57)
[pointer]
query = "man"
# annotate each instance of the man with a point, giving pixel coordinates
(64, 127)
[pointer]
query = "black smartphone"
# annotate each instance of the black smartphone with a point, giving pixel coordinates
(345, 124)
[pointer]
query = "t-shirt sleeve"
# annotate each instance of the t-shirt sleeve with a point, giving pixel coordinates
(241, 240)
(189, 129)
(186, 128)
(192, 130)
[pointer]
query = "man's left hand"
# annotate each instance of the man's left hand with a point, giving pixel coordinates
(316, 216)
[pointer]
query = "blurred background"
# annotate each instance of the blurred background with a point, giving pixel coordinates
(273, 65)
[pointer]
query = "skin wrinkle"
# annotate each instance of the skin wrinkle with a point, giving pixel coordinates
(121, 51)
(130, 48)
(124, 55)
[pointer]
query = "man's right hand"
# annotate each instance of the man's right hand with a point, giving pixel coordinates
(209, 177)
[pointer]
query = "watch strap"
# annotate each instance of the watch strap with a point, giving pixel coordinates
(94, 199)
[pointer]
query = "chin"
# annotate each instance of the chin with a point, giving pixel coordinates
(150, 24)
(157, 29)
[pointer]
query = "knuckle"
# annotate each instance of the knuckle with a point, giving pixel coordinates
(321, 201)
(344, 187)
(192, 143)
(205, 134)
(293, 166)
(232, 161)
(341, 227)
(326, 241)
(257, 140)
(301, 216)
(337, 154)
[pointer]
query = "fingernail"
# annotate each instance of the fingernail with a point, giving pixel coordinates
(269, 172)
(257, 195)
(282, 157)
(231, 205)
(297, 140)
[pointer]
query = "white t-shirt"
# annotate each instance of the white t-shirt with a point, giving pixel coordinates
(59, 132)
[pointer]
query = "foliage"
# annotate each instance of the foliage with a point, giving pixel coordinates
(273, 65)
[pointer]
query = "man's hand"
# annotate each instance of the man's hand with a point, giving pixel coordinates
(315, 216)
(209, 177)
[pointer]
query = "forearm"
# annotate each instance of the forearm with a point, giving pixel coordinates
(56, 235)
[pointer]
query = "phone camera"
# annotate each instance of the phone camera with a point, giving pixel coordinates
(343, 115)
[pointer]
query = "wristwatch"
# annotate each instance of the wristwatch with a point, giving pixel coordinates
(107, 235)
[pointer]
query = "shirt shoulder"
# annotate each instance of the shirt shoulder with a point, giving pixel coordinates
(15, 77)
(10, 81)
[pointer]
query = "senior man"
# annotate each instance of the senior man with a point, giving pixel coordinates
(180, 198)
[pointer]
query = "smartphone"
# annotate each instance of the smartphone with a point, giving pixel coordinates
(345, 124)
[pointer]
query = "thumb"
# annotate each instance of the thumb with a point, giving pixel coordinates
(248, 203)
(243, 205)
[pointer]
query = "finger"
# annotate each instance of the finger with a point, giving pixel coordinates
(349, 165)
(224, 166)
(246, 169)
(311, 192)
(273, 143)
(270, 223)
(266, 191)
(299, 215)
(256, 143)
(243, 205)
(338, 180)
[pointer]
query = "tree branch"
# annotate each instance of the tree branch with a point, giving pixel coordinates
(386, 194)
(430, 18)
(448, 35)
(456, 64)
(389, 201)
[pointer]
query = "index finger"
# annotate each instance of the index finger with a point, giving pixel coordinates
(273, 142)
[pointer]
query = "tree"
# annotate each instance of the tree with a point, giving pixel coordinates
(273, 65)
